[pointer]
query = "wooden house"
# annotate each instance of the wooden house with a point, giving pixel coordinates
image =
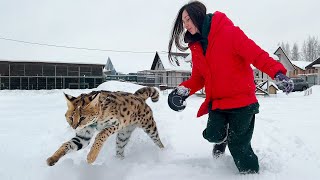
(261, 78)
(300, 68)
(312, 75)
(281, 57)
(168, 74)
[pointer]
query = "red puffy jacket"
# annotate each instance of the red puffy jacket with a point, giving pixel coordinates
(225, 70)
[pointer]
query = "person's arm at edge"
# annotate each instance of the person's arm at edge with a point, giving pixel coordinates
(254, 55)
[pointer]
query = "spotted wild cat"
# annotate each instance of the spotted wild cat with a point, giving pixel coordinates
(108, 113)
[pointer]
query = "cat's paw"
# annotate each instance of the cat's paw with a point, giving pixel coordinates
(51, 161)
(91, 157)
(120, 156)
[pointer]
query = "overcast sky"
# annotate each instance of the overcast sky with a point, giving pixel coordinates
(137, 25)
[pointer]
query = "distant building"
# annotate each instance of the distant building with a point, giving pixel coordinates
(262, 78)
(312, 73)
(109, 68)
(300, 68)
(311, 68)
(162, 72)
(111, 73)
(49, 75)
(131, 77)
(283, 59)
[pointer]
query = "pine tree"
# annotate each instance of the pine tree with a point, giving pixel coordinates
(286, 48)
(295, 52)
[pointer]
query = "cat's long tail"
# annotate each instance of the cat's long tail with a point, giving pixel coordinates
(147, 92)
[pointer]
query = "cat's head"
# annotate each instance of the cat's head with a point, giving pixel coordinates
(82, 110)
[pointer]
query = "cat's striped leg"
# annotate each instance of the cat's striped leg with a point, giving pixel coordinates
(101, 137)
(80, 141)
(123, 137)
(149, 126)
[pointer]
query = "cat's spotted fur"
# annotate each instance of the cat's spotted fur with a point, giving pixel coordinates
(108, 113)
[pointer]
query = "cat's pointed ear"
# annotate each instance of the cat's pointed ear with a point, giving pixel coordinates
(69, 99)
(94, 99)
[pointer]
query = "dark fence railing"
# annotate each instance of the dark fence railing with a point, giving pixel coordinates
(49, 82)
(150, 79)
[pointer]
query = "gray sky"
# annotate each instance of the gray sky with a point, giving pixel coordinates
(137, 25)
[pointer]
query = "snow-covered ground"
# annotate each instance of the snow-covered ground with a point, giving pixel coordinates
(32, 127)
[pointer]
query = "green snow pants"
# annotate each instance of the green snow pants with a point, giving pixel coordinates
(236, 127)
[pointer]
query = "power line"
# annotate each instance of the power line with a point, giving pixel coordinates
(78, 48)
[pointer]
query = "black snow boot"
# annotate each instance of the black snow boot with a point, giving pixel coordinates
(218, 149)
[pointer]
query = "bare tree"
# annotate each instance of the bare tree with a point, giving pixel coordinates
(311, 49)
(295, 56)
(287, 50)
(318, 50)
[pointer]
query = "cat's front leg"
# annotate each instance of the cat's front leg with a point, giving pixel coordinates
(98, 142)
(81, 141)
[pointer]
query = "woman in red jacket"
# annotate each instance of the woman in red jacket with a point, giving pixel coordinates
(221, 62)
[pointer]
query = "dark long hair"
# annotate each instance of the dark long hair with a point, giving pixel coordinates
(197, 12)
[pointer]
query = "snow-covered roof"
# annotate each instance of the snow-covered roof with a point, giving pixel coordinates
(184, 62)
(55, 61)
(270, 83)
(131, 62)
(122, 62)
(275, 57)
(301, 64)
(284, 59)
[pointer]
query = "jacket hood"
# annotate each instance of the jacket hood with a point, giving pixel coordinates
(218, 22)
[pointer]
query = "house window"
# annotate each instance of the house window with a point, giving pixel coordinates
(160, 79)
(17, 69)
(73, 70)
(185, 76)
(159, 66)
(96, 71)
(256, 74)
(85, 70)
(4, 69)
(48, 70)
(61, 70)
(33, 70)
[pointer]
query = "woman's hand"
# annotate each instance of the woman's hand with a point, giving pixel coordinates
(177, 98)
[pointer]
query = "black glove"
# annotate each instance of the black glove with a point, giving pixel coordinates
(286, 82)
(177, 98)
